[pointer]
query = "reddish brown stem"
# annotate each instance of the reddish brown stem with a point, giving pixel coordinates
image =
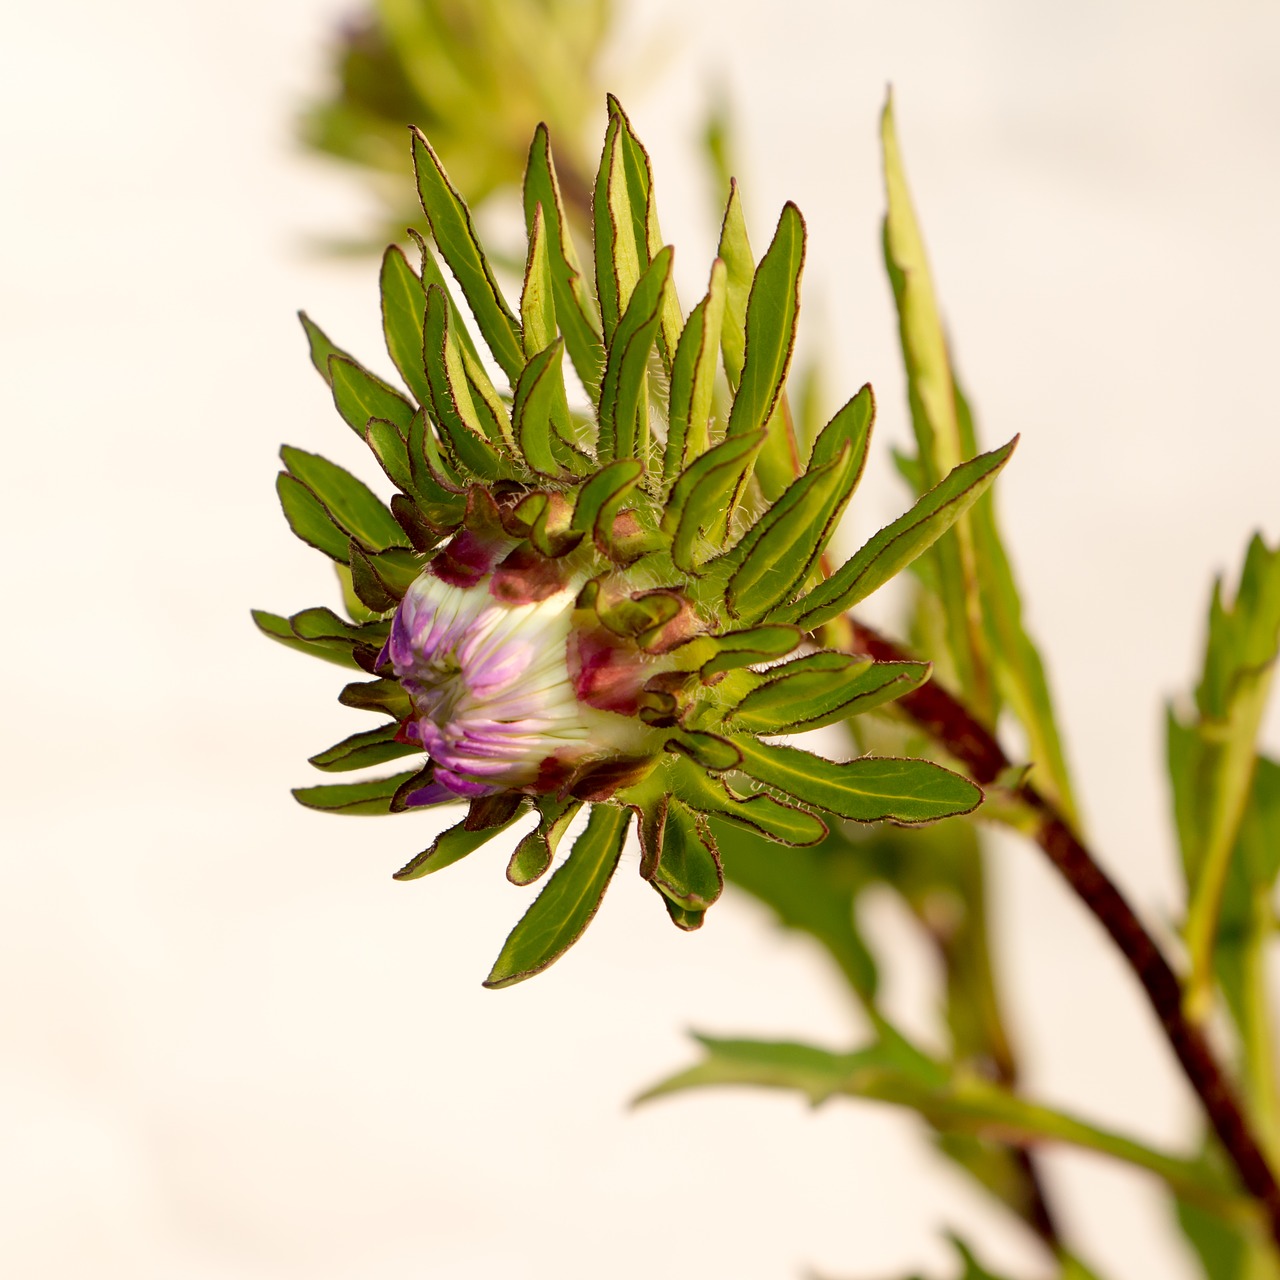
(963, 736)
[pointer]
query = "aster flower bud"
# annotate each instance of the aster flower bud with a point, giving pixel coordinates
(619, 609)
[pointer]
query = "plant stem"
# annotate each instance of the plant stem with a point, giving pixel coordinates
(950, 723)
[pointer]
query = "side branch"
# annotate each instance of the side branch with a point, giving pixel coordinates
(955, 728)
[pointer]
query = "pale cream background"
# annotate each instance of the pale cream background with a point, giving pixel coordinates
(232, 1048)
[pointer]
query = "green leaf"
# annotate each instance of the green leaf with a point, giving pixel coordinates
(688, 873)
(735, 251)
(373, 796)
(1020, 673)
(775, 556)
(452, 846)
(624, 403)
(381, 579)
(455, 237)
(710, 655)
(868, 789)
(693, 376)
(820, 689)
(439, 487)
(759, 813)
(278, 628)
(386, 696)
(699, 501)
(453, 409)
(431, 274)
(308, 518)
(562, 911)
(360, 395)
(392, 452)
(403, 305)
(934, 417)
(537, 299)
(539, 402)
(614, 223)
(817, 1073)
(600, 497)
(772, 309)
(533, 855)
(1240, 657)
(360, 750)
(638, 173)
(708, 750)
(354, 507)
(575, 309)
(852, 426)
(899, 543)
(324, 624)
(320, 347)
(892, 1070)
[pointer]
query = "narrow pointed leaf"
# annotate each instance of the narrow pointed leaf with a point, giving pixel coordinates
(735, 251)
(431, 274)
(899, 543)
(772, 310)
(373, 796)
(537, 299)
(693, 375)
(774, 558)
(539, 401)
(360, 750)
(868, 789)
(452, 406)
(403, 305)
(308, 518)
(324, 624)
(852, 426)
(319, 346)
(614, 224)
(271, 624)
(575, 309)
(932, 399)
(639, 178)
(351, 503)
(624, 408)
(385, 696)
(562, 911)
(822, 688)
(392, 452)
(360, 395)
(702, 497)
(451, 846)
(455, 237)
(711, 655)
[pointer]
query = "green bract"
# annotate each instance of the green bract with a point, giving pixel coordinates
(674, 528)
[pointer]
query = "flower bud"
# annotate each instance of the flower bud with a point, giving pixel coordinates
(495, 705)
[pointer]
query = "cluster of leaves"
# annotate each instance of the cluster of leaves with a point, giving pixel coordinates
(1226, 801)
(711, 508)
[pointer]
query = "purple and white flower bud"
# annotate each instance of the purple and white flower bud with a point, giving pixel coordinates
(495, 704)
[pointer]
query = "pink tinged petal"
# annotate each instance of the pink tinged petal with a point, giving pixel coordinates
(433, 793)
(459, 786)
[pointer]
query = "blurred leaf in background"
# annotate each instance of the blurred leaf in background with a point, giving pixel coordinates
(476, 76)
